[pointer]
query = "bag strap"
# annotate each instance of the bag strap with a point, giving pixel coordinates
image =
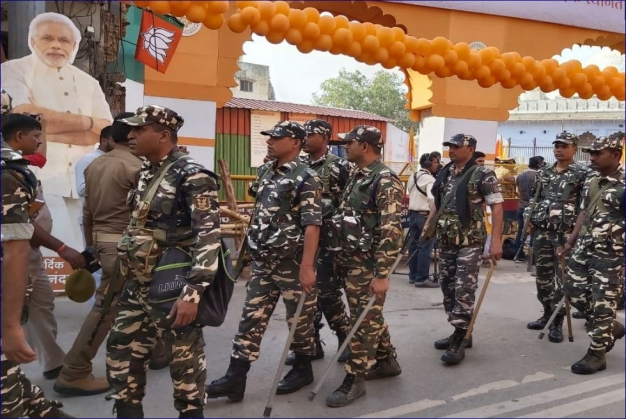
(287, 204)
(153, 186)
(452, 193)
(596, 194)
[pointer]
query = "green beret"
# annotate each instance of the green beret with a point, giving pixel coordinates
(80, 286)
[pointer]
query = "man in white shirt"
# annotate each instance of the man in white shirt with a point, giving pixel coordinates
(70, 100)
(421, 202)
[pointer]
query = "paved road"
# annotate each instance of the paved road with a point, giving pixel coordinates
(508, 372)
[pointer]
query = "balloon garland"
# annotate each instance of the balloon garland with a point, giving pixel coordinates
(373, 44)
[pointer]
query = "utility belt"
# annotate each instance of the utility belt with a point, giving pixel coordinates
(555, 216)
(451, 231)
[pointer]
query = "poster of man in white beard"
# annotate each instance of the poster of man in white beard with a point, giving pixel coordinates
(71, 102)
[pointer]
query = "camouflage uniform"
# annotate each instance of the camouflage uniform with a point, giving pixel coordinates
(20, 397)
(366, 231)
(554, 218)
(594, 280)
(139, 323)
(333, 172)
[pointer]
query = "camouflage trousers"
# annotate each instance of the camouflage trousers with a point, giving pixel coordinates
(329, 301)
(549, 289)
(372, 340)
(458, 275)
(593, 285)
(267, 282)
(20, 397)
(136, 330)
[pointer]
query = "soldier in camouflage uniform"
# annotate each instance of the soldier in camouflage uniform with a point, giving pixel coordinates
(461, 190)
(282, 240)
(20, 398)
(557, 193)
(193, 189)
(594, 281)
(333, 172)
(365, 232)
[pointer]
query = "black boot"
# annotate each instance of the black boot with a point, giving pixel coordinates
(385, 368)
(556, 330)
(300, 375)
(352, 388)
(128, 410)
(578, 315)
(341, 337)
(592, 362)
(618, 333)
(456, 351)
(195, 413)
(55, 411)
(445, 343)
(233, 384)
(319, 350)
(541, 322)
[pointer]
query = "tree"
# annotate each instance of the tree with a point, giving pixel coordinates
(382, 95)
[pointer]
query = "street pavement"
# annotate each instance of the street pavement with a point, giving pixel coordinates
(509, 372)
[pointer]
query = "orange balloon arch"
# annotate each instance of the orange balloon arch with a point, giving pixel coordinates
(373, 44)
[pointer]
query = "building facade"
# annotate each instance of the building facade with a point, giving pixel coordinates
(253, 82)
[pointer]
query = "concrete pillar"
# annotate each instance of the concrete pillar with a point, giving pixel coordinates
(20, 13)
(434, 130)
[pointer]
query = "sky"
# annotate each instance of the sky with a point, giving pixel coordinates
(296, 76)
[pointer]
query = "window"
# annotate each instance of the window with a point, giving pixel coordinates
(245, 85)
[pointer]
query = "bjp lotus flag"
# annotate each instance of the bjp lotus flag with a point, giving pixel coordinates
(158, 38)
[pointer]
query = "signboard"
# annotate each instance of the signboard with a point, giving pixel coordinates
(260, 121)
(58, 271)
(590, 14)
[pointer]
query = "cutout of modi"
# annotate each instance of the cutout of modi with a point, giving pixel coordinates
(71, 101)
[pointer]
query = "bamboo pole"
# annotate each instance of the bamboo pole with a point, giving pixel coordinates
(229, 192)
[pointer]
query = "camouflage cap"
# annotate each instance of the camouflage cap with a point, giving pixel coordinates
(287, 129)
(6, 102)
(601, 143)
(318, 126)
(461, 140)
(566, 138)
(153, 114)
(363, 134)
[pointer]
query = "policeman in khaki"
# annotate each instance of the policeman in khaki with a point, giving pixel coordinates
(365, 232)
(595, 278)
(282, 239)
(461, 189)
(184, 183)
(557, 192)
(333, 172)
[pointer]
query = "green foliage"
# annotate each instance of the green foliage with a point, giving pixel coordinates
(382, 95)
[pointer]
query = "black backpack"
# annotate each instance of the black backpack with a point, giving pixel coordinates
(508, 249)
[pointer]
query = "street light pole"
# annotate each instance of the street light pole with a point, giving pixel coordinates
(20, 13)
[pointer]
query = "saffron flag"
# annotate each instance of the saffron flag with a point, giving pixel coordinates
(158, 39)
(411, 144)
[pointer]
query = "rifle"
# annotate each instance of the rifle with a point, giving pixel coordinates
(527, 221)
(115, 287)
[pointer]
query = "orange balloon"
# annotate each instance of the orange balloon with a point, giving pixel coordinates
(354, 49)
(267, 10)
(236, 24)
(262, 28)
(294, 36)
(411, 44)
(282, 7)
(370, 44)
(502, 75)
(370, 28)
(214, 21)
(474, 61)
(251, 16)
(297, 18)
(215, 7)
(550, 65)
(160, 7)
(591, 70)
(420, 65)
(572, 67)
(381, 55)
(311, 31)
(563, 83)
(342, 37)
(569, 92)
(196, 13)
(508, 83)
(312, 14)
(618, 89)
(482, 72)
(327, 24)
(358, 31)
(497, 65)
(527, 79)
(389, 64)
(450, 57)
(462, 50)
(518, 70)
(486, 55)
(407, 60)
(444, 72)
(275, 37)
(460, 67)
(424, 47)
(615, 83)
(538, 72)
(466, 75)
(558, 75)
(324, 42)
(597, 82)
(435, 62)
(604, 93)
(529, 86)
(371, 61)
(243, 4)
(578, 79)
(398, 34)
(178, 8)
(385, 36)
(529, 63)
(397, 49)
(508, 59)
(441, 45)
(341, 22)
(610, 71)
(546, 85)
(335, 49)
(305, 46)
(279, 23)
(488, 82)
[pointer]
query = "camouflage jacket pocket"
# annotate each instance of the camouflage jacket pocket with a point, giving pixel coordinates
(284, 238)
(140, 254)
(561, 215)
(351, 234)
(540, 216)
(334, 232)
